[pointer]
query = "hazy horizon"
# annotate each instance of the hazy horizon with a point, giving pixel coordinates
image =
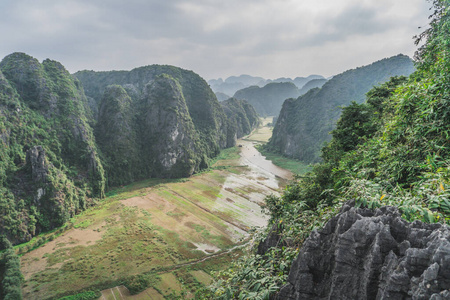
(268, 38)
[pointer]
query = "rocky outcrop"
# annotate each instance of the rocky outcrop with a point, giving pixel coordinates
(172, 144)
(36, 160)
(366, 254)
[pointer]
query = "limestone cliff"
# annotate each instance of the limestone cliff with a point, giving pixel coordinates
(267, 100)
(172, 145)
(178, 122)
(304, 123)
(242, 119)
(117, 138)
(204, 109)
(49, 165)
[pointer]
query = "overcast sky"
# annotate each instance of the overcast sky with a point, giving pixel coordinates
(214, 38)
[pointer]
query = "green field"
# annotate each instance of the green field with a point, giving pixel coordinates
(156, 238)
(143, 232)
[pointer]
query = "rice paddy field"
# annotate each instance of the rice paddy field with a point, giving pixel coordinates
(156, 239)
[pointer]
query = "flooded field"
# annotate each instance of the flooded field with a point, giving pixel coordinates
(173, 231)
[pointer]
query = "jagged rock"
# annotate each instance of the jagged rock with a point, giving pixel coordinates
(272, 240)
(366, 254)
(39, 168)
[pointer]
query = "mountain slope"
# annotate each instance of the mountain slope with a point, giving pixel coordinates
(242, 118)
(49, 166)
(60, 149)
(304, 123)
(204, 109)
(312, 84)
(268, 100)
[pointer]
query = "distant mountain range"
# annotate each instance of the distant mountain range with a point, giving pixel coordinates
(266, 95)
(267, 100)
(232, 84)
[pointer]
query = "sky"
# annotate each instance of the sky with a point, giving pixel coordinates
(214, 38)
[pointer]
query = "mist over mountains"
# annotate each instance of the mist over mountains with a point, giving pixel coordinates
(232, 84)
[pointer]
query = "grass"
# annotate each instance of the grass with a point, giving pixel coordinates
(147, 228)
(134, 240)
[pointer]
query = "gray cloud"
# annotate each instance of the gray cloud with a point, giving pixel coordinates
(269, 38)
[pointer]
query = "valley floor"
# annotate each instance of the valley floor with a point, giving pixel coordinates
(173, 233)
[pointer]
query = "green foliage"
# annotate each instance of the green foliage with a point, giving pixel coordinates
(391, 150)
(41, 105)
(305, 123)
(11, 284)
(89, 295)
(254, 277)
(138, 283)
(116, 134)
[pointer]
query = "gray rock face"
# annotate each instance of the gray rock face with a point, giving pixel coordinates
(39, 168)
(170, 133)
(366, 254)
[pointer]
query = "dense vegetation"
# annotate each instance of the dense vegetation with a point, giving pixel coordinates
(391, 150)
(268, 100)
(59, 149)
(242, 118)
(312, 84)
(304, 123)
(49, 166)
(11, 277)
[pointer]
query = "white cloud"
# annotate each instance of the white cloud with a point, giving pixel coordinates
(269, 38)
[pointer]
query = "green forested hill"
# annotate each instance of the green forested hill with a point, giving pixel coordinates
(392, 150)
(202, 104)
(60, 149)
(312, 84)
(242, 117)
(49, 162)
(267, 100)
(172, 113)
(304, 123)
